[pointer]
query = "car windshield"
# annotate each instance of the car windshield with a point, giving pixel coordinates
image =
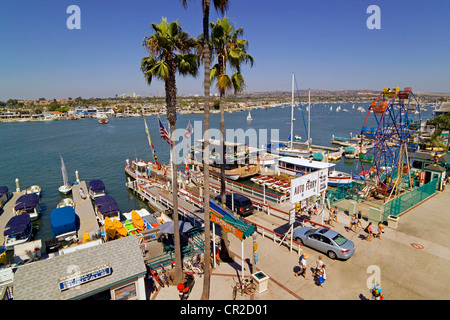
(309, 231)
(339, 239)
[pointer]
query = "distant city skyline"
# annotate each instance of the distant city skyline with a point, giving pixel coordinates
(327, 45)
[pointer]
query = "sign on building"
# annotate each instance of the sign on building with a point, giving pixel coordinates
(309, 185)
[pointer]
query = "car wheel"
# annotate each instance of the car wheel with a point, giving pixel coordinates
(332, 255)
(299, 240)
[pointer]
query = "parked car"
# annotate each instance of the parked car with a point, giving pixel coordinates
(242, 205)
(328, 241)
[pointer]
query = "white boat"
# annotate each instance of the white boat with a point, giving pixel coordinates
(249, 117)
(344, 110)
(67, 186)
(339, 178)
(66, 202)
(338, 109)
(351, 152)
(34, 189)
(18, 230)
(106, 206)
(27, 204)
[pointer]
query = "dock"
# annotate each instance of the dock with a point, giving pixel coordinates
(8, 212)
(84, 210)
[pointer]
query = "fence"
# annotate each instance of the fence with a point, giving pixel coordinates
(408, 200)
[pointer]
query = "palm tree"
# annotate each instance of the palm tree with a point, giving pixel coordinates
(228, 48)
(222, 6)
(170, 51)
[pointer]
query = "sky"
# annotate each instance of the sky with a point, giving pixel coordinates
(326, 43)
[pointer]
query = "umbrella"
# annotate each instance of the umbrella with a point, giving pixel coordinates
(169, 226)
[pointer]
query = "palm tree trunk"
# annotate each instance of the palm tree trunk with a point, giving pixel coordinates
(171, 94)
(206, 85)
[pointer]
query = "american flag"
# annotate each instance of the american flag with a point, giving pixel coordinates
(164, 134)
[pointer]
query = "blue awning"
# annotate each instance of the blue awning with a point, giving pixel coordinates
(17, 224)
(63, 220)
(106, 204)
(27, 201)
(96, 185)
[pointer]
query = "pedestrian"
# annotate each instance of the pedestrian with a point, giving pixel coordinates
(331, 217)
(353, 223)
(360, 218)
(322, 275)
(319, 264)
(380, 230)
(335, 213)
(302, 270)
(369, 231)
(377, 292)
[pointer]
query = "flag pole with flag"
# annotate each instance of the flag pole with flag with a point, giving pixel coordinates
(150, 142)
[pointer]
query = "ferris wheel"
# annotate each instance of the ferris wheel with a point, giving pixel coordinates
(395, 138)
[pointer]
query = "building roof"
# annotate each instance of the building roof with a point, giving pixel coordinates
(40, 280)
(420, 155)
(306, 163)
(434, 167)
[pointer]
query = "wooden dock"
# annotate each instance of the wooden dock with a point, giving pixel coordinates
(84, 210)
(8, 212)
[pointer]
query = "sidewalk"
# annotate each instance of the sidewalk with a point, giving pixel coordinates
(405, 272)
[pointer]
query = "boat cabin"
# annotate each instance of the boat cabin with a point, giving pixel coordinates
(28, 204)
(299, 166)
(18, 230)
(106, 206)
(96, 188)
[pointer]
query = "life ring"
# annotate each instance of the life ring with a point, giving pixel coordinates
(417, 246)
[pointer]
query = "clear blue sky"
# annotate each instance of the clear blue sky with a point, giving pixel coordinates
(326, 43)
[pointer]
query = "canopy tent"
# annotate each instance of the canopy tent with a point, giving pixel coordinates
(96, 185)
(27, 201)
(168, 227)
(106, 204)
(63, 220)
(17, 224)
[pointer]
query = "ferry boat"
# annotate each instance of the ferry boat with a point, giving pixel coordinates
(28, 204)
(18, 230)
(241, 161)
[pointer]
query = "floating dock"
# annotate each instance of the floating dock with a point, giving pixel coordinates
(84, 210)
(8, 213)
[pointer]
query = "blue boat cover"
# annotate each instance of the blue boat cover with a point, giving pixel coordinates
(17, 224)
(3, 190)
(106, 204)
(63, 220)
(96, 185)
(27, 201)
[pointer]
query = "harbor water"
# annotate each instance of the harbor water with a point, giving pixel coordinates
(30, 151)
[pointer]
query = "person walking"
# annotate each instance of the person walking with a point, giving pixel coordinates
(302, 270)
(380, 230)
(319, 264)
(360, 218)
(369, 231)
(322, 275)
(331, 217)
(353, 223)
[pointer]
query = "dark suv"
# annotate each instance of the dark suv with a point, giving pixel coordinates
(242, 205)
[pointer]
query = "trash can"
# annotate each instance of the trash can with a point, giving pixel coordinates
(393, 222)
(261, 280)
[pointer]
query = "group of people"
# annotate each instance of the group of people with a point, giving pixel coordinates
(356, 221)
(319, 273)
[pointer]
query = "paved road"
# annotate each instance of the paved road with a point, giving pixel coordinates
(405, 272)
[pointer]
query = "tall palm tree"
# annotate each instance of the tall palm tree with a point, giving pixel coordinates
(222, 6)
(170, 51)
(228, 49)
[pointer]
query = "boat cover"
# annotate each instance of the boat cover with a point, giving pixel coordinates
(17, 224)
(96, 185)
(63, 220)
(3, 191)
(349, 149)
(137, 221)
(106, 204)
(27, 201)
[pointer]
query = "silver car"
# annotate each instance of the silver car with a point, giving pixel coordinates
(328, 241)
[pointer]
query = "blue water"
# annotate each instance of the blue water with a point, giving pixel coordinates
(30, 151)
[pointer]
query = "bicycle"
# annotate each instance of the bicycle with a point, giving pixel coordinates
(244, 287)
(189, 265)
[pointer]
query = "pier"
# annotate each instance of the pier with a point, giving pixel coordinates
(8, 212)
(84, 210)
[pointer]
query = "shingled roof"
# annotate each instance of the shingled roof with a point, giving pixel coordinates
(40, 280)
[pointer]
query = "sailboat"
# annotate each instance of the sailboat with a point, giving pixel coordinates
(249, 117)
(66, 187)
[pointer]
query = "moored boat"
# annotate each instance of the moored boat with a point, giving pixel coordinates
(63, 222)
(18, 230)
(106, 206)
(67, 186)
(96, 189)
(27, 204)
(34, 189)
(339, 178)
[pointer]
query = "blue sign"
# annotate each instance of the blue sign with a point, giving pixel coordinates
(80, 279)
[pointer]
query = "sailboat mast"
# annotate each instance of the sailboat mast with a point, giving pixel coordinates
(292, 112)
(309, 118)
